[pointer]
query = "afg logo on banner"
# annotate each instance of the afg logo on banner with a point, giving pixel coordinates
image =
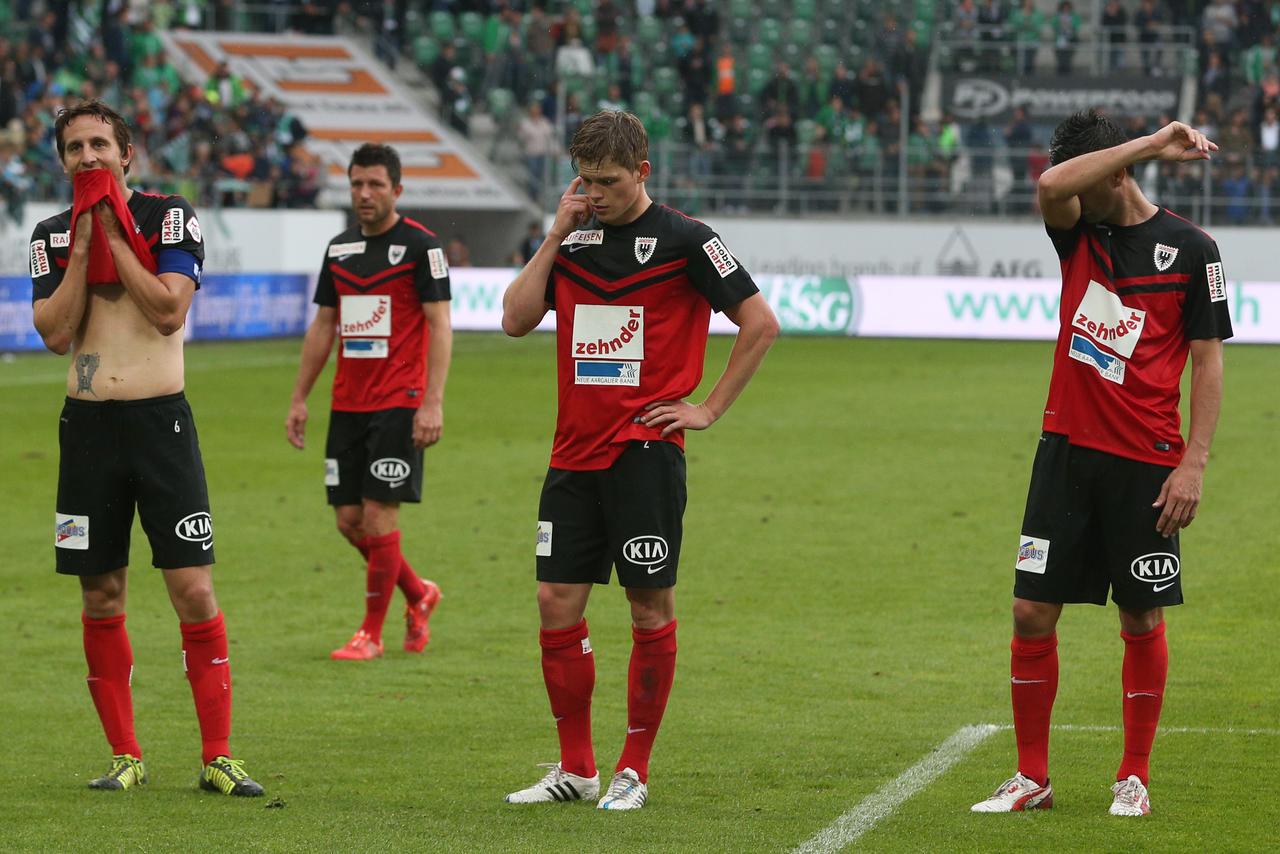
(813, 305)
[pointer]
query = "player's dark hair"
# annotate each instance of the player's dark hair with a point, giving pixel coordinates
(1083, 132)
(377, 154)
(119, 127)
(614, 135)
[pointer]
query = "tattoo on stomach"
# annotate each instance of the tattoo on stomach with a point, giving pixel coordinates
(86, 367)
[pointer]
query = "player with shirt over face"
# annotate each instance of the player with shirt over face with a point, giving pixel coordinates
(127, 436)
(384, 290)
(1113, 482)
(633, 285)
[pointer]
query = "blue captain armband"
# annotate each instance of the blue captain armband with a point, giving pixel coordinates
(179, 261)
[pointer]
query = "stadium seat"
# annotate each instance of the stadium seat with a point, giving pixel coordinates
(800, 32)
(645, 104)
(442, 29)
(773, 8)
(741, 9)
(770, 32)
(806, 129)
(759, 56)
(648, 31)
(589, 29)
(756, 80)
(496, 32)
(501, 102)
(425, 51)
(831, 31)
(828, 57)
(471, 25)
(804, 10)
(665, 81)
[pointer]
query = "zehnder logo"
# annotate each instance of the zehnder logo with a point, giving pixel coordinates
(648, 551)
(390, 470)
(373, 322)
(196, 528)
(1109, 321)
(604, 347)
(1157, 569)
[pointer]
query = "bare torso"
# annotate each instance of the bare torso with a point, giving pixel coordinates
(119, 355)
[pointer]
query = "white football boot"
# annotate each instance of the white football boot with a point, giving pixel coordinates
(557, 785)
(626, 792)
(1130, 798)
(1016, 794)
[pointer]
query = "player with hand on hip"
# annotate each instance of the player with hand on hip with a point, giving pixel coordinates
(633, 285)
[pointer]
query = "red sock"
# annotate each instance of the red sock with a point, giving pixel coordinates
(407, 580)
(1146, 664)
(110, 659)
(649, 678)
(1034, 684)
(204, 657)
(384, 566)
(569, 669)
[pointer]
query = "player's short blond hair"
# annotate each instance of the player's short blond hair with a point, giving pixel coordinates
(611, 135)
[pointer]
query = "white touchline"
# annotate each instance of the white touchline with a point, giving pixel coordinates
(880, 804)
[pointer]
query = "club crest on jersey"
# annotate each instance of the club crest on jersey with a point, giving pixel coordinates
(1165, 256)
(171, 228)
(645, 247)
(395, 253)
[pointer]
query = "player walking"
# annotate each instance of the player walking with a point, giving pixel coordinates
(127, 435)
(384, 287)
(633, 285)
(1112, 482)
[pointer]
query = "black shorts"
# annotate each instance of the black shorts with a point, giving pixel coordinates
(116, 454)
(630, 514)
(371, 455)
(1089, 525)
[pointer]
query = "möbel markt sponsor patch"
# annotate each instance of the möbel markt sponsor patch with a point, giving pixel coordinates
(721, 258)
(1033, 555)
(438, 262)
(39, 259)
(171, 228)
(1217, 281)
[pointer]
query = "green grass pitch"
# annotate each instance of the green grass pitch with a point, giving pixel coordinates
(843, 606)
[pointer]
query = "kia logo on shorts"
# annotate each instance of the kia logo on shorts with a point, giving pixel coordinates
(196, 528)
(390, 470)
(1155, 567)
(648, 551)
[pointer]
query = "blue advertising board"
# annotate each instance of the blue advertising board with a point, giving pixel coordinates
(227, 306)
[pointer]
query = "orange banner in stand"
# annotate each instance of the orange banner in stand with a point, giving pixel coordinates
(345, 98)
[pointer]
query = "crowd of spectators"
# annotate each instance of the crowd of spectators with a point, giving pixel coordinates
(742, 98)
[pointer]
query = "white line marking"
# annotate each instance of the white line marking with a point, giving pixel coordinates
(852, 825)
(880, 804)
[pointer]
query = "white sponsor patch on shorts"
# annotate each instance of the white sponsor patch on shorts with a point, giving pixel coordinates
(171, 228)
(71, 532)
(439, 264)
(1217, 281)
(1033, 555)
(544, 539)
(330, 472)
(721, 257)
(39, 259)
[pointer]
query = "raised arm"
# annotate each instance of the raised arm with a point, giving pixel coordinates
(1060, 186)
(524, 303)
(58, 317)
(163, 299)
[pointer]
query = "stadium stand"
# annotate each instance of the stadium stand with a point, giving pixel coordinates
(808, 106)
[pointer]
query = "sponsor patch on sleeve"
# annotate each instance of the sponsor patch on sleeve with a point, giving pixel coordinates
(171, 228)
(439, 264)
(1217, 281)
(39, 259)
(60, 240)
(1033, 555)
(721, 258)
(193, 228)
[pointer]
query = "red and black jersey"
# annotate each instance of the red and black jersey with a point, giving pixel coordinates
(632, 307)
(1133, 297)
(167, 223)
(378, 284)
